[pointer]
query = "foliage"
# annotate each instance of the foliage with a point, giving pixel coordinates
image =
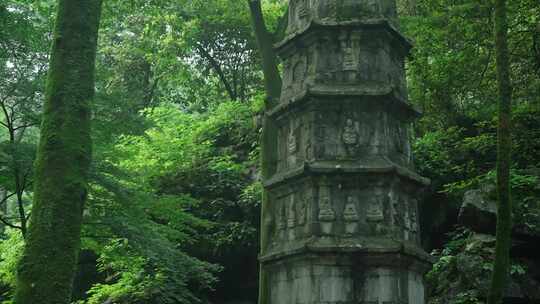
(148, 197)
(15, 156)
(216, 166)
(452, 79)
(24, 47)
(460, 159)
(174, 188)
(141, 239)
(147, 58)
(452, 70)
(461, 274)
(10, 253)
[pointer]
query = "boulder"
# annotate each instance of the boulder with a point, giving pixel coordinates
(478, 212)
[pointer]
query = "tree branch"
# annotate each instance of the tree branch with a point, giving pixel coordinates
(217, 68)
(5, 222)
(5, 198)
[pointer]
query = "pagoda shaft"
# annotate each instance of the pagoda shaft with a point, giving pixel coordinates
(343, 221)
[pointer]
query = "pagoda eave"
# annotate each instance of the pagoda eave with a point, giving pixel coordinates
(316, 26)
(386, 93)
(378, 165)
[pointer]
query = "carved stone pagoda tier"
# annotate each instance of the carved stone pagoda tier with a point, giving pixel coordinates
(343, 223)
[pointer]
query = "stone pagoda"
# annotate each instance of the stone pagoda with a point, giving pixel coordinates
(342, 220)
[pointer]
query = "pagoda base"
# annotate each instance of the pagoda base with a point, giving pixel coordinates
(346, 276)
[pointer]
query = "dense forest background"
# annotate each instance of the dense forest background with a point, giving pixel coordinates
(173, 210)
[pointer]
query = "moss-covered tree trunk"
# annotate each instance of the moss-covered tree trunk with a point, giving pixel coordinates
(272, 81)
(46, 271)
(504, 215)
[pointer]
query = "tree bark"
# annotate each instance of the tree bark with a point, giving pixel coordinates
(272, 78)
(273, 83)
(46, 271)
(504, 146)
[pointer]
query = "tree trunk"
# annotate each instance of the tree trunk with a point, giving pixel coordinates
(272, 82)
(46, 271)
(3, 210)
(504, 215)
(272, 79)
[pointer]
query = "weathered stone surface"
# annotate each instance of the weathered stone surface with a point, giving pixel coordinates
(304, 12)
(478, 212)
(340, 278)
(343, 224)
(342, 207)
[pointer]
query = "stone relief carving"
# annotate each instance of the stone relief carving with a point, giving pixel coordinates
(395, 75)
(351, 136)
(407, 144)
(308, 153)
(398, 138)
(406, 225)
(327, 9)
(291, 217)
(351, 57)
(292, 146)
(287, 73)
(299, 15)
(414, 216)
(402, 141)
(350, 214)
(291, 27)
(404, 217)
(373, 6)
(282, 160)
(311, 70)
(411, 221)
(320, 136)
(302, 212)
(327, 135)
(326, 212)
(321, 61)
(350, 61)
(378, 143)
(414, 223)
(330, 61)
(303, 9)
(375, 209)
(299, 71)
(395, 206)
(281, 219)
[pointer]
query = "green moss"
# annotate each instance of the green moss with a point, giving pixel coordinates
(45, 273)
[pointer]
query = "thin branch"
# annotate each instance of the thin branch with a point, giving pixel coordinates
(8, 120)
(217, 68)
(483, 74)
(24, 126)
(9, 224)
(99, 237)
(7, 197)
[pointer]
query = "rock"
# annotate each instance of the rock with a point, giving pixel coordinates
(478, 212)
(479, 240)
